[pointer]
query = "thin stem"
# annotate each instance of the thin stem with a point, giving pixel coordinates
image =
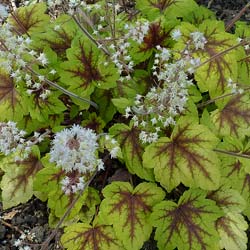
(244, 42)
(232, 153)
(91, 38)
(237, 17)
(53, 234)
(56, 86)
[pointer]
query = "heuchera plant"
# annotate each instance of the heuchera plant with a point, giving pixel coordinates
(131, 122)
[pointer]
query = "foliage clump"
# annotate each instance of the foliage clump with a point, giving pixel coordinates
(131, 123)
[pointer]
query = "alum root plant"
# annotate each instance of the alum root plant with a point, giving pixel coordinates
(131, 123)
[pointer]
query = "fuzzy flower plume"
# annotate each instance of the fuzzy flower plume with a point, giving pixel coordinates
(75, 149)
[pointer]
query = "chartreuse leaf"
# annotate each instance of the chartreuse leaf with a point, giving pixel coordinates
(158, 35)
(212, 76)
(132, 149)
(11, 105)
(106, 108)
(242, 30)
(42, 109)
(232, 225)
(128, 208)
(17, 181)
(187, 157)
(235, 169)
(171, 9)
(30, 19)
(85, 236)
(234, 118)
(48, 179)
(58, 36)
(87, 68)
(188, 225)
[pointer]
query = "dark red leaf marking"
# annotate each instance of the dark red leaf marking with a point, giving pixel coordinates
(132, 137)
(61, 41)
(224, 223)
(8, 91)
(87, 69)
(28, 20)
(134, 204)
(219, 62)
(246, 183)
(94, 236)
(233, 113)
(32, 166)
(185, 214)
(181, 146)
(156, 36)
(162, 4)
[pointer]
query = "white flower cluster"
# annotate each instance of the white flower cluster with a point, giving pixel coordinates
(234, 87)
(75, 149)
(158, 108)
(198, 40)
(71, 185)
(138, 31)
(13, 50)
(12, 140)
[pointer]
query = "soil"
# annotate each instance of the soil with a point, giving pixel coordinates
(33, 216)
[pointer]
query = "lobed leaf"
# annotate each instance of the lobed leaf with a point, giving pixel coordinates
(187, 157)
(132, 149)
(188, 225)
(90, 237)
(30, 19)
(127, 209)
(17, 181)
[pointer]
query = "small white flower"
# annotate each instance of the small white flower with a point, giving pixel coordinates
(176, 34)
(42, 59)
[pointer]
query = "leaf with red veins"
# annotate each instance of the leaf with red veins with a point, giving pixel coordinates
(87, 68)
(156, 35)
(132, 149)
(234, 118)
(17, 181)
(169, 9)
(231, 227)
(235, 170)
(127, 209)
(242, 30)
(90, 237)
(11, 106)
(29, 19)
(188, 225)
(213, 75)
(187, 157)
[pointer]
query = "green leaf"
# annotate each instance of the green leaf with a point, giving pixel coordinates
(87, 68)
(235, 170)
(212, 76)
(234, 118)
(242, 30)
(30, 19)
(171, 9)
(187, 157)
(58, 36)
(132, 149)
(17, 181)
(11, 105)
(188, 225)
(90, 237)
(106, 108)
(232, 225)
(127, 209)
